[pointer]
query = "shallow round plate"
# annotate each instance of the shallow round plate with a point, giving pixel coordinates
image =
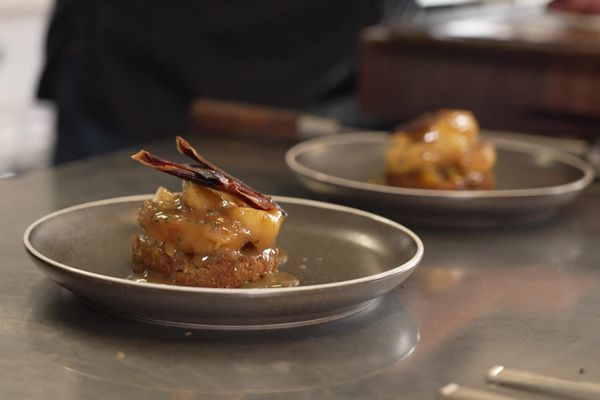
(344, 258)
(532, 181)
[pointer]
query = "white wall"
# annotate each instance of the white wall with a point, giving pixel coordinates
(26, 125)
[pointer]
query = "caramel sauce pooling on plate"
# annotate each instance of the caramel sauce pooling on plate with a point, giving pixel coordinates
(187, 234)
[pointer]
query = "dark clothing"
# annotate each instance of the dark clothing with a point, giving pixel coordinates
(134, 65)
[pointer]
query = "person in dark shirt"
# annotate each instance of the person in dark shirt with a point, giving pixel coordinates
(123, 72)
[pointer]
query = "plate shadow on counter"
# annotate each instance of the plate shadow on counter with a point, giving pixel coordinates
(97, 346)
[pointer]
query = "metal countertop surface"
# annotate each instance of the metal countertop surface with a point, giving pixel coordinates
(526, 297)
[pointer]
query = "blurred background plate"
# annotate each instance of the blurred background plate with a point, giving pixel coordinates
(344, 258)
(532, 182)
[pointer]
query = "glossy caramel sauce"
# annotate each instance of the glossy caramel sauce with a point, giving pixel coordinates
(278, 279)
(207, 238)
(204, 221)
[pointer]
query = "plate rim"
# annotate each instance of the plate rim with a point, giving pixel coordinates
(379, 137)
(232, 292)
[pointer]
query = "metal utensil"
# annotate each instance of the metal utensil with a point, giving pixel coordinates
(453, 391)
(543, 384)
(233, 118)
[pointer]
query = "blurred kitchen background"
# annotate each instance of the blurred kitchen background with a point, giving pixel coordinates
(26, 124)
(508, 61)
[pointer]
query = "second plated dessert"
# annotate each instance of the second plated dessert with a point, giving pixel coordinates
(441, 150)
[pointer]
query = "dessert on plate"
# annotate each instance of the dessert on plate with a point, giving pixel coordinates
(441, 150)
(218, 232)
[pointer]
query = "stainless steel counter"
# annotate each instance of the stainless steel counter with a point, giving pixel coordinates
(525, 297)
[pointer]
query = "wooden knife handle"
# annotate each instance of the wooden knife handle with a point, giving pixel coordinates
(226, 117)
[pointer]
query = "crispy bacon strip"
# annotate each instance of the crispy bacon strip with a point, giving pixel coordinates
(206, 174)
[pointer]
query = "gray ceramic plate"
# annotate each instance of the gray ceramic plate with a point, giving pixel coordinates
(532, 182)
(344, 258)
